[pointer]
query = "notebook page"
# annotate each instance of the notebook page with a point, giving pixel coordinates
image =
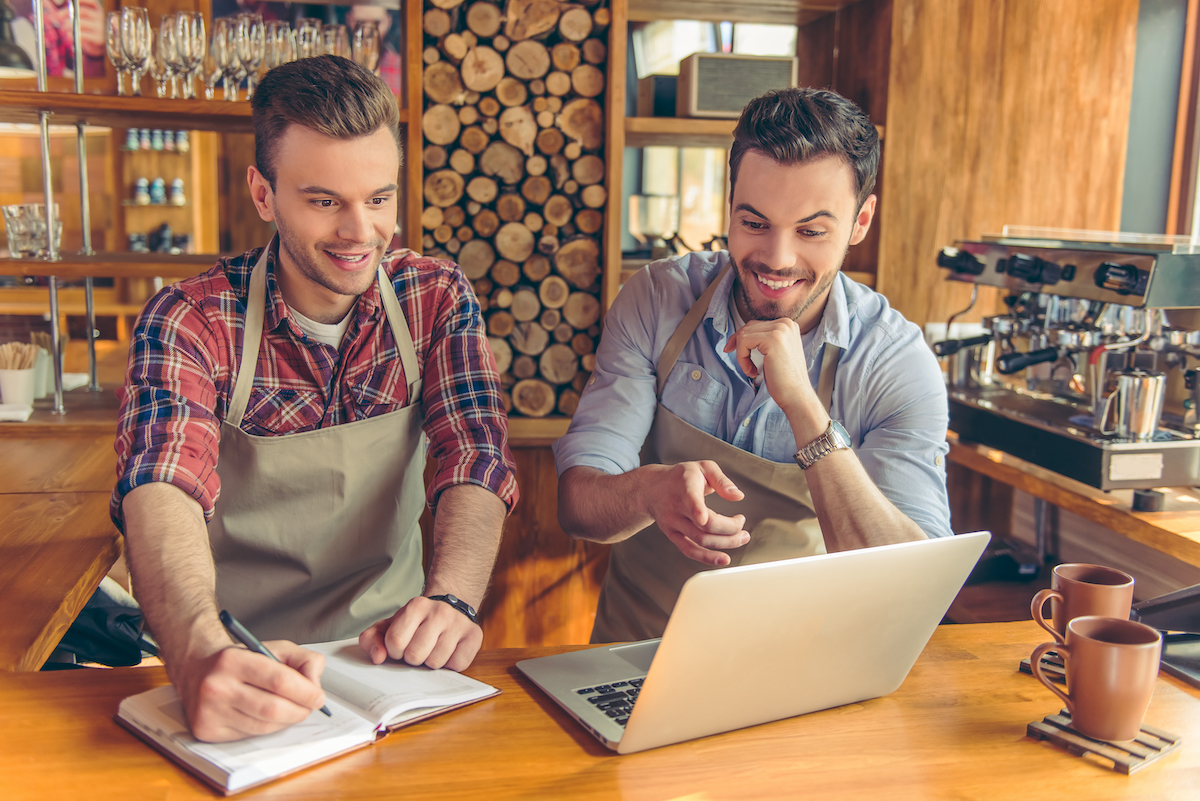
(384, 692)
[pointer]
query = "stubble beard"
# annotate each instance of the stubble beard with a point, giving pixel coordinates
(308, 264)
(773, 311)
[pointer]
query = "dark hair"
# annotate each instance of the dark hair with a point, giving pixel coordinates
(327, 94)
(793, 126)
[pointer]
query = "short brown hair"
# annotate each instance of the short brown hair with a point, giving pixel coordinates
(793, 126)
(327, 94)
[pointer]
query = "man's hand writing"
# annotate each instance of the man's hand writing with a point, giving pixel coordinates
(234, 693)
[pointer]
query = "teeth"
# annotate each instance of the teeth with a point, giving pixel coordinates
(777, 284)
(350, 259)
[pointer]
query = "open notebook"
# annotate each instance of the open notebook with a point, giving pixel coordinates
(366, 701)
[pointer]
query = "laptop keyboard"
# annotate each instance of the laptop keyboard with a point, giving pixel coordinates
(615, 699)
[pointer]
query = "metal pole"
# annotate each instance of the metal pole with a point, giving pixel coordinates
(39, 22)
(84, 210)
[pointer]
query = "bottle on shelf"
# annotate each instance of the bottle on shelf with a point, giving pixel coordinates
(181, 142)
(131, 139)
(141, 192)
(156, 139)
(158, 192)
(144, 139)
(177, 196)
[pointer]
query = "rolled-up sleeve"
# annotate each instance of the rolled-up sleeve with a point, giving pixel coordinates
(904, 448)
(617, 406)
(464, 413)
(166, 428)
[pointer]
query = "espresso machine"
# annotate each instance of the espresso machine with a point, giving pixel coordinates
(1074, 376)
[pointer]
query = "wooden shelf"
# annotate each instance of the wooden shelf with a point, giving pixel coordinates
(123, 112)
(776, 12)
(113, 265)
(678, 132)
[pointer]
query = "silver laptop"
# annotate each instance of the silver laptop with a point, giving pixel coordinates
(756, 643)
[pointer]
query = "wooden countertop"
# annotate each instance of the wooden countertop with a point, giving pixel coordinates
(955, 729)
(1174, 531)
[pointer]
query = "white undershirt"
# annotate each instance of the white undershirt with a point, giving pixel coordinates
(326, 333)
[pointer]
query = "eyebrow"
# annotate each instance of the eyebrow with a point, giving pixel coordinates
(320, 190)
(809, 218)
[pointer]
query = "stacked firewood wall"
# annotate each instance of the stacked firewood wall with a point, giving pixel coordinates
(514, 191)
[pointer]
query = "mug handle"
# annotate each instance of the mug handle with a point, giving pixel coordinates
(1035, 662)
(1035, 609)
(1104, 415)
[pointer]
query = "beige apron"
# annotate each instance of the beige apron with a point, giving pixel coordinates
(646, 572)
(316, 535)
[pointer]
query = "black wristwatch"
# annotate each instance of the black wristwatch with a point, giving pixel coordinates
(458, 604)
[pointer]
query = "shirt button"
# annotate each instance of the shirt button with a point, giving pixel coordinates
(695, 375)
(592, 380)
(938, 460)
(746, 422)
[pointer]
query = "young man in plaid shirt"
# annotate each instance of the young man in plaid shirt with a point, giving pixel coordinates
(275, 419)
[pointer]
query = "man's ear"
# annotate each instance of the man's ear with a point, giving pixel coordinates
(262, 194)
(862, 221)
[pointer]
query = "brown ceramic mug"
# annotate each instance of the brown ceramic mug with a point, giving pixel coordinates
(1077, 590)
(1112, 666)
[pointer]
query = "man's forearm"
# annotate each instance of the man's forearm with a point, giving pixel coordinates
(170, 562)
(466, 538)
(599, 507)
(853, 513)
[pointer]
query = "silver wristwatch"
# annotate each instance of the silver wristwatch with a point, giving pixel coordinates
(835, 438)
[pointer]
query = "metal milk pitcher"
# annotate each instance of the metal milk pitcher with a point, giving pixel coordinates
(1139, 401)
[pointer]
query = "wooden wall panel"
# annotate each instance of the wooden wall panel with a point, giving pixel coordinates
(545, 585)
(999, 112)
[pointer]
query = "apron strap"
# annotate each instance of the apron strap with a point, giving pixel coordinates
(404, 342)
(256, 304)
(830, 356)
(252, 329)
(687, 327)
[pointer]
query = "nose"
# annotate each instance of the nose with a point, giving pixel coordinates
(778, 252)
(354, 224)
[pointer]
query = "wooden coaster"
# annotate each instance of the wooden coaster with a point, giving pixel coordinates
(1127, 757)
(1052, 666)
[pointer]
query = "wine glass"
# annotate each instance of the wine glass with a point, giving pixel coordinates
(251, 42)
(225, 51)
(308, 37)
(112, 45)
(168, 52)
(366, 44)
(160, 70)
(280, 44)
(189, 36)
(210, 72)
(335, 41)
(135, 42)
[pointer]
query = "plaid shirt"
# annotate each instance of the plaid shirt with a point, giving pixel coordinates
(187, 345)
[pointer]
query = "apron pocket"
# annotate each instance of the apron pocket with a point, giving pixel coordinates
(696, 397)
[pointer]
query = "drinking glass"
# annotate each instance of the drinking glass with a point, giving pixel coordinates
(210, 73)
(165, 63)
(159, 70)
(335, 41)
(112, 45)
(280, 44)
(366, 44)
(135, 42)
(189, 36)
(251, 41)
(308, 37)
(225, 51)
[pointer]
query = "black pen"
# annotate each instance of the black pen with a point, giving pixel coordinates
(243, 635)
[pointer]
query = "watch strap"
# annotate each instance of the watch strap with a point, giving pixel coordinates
(458, 604)
(834, 438)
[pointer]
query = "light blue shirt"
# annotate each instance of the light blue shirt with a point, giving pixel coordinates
(888, 393)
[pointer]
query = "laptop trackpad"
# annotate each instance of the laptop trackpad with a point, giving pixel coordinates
(639, 654)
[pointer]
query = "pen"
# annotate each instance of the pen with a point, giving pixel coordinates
(243, 635)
